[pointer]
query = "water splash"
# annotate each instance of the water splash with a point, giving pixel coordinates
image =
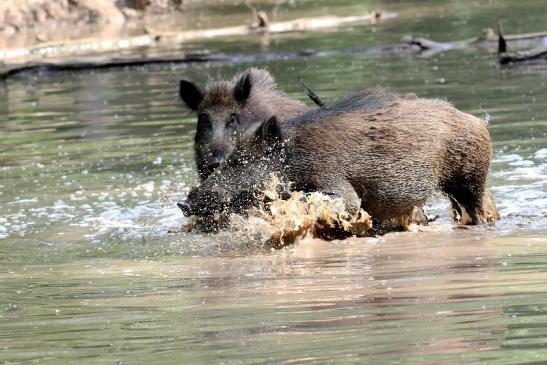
(147, 209)
(282, 222)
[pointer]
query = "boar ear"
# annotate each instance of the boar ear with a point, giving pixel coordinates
(190, 94)
(243, 86)
(269, 133)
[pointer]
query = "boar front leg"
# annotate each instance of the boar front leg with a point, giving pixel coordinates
(343, 189)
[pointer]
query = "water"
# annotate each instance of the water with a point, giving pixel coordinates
(91, 164)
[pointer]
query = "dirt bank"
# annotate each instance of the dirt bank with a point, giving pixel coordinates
(27, 22)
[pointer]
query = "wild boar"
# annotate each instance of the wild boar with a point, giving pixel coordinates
(227, 109)
(387, 156)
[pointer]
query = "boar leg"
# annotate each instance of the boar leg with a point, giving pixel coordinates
(490, 212)
(344, 190)
(467, 203)
(419, 217)
(455, 210)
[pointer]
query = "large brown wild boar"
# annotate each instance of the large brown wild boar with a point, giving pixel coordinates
(227, 109)
(387, 156)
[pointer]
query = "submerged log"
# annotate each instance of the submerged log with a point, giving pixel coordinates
(536, 54)
(487, 39)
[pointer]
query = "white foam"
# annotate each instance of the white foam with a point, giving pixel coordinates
(150, 219)
(522, 191)
(522, 163)
(541, 154)
(507, 158)
(124, 212)
(520, 201)
(528, 173)
(23, 201)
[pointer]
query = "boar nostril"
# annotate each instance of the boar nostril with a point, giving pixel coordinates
(217, 161)
(213, 166)
(186, 207)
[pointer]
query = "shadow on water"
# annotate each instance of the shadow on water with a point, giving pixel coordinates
(430, 297)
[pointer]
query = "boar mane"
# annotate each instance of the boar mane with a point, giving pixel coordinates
(264, 94)
(360, 102)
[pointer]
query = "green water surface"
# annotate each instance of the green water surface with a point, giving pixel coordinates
(92, 164)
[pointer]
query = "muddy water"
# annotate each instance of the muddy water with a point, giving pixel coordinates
(91, 165)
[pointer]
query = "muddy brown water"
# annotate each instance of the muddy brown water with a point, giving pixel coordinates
(91, 164)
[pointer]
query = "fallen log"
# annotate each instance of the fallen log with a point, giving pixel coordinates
(410, 45)
(96, 46)
(87, 63)
(82, 65)
(111, 63)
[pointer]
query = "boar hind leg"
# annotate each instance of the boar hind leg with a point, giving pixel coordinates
(467, 206)
(419, 217)
(489, 210)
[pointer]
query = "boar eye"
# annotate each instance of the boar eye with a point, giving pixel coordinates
(233, 121)
(204, 122)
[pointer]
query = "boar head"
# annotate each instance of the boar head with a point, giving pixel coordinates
(238, 183)
(225, 110)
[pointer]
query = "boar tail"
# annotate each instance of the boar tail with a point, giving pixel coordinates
(311, 94)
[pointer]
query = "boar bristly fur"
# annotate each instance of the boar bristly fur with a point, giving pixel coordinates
(375, 150)
(227, 109)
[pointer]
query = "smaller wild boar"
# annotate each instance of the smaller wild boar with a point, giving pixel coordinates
(227, 109)
(386, 155)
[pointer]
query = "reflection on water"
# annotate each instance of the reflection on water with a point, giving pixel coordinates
(427, 298)
(91, 165)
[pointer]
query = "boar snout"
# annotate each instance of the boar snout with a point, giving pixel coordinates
(215, 163)
(202, 203)
(186, 207)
